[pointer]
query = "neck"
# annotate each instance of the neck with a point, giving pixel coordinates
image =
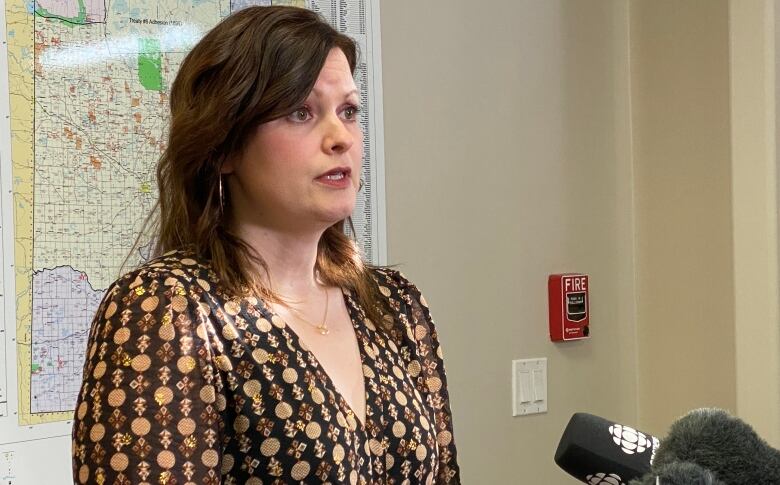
(290, 258)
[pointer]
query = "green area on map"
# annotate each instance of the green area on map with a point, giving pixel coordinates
(80, 19)
(150, 64)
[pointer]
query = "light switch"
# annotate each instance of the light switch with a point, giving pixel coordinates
(540, 385)
(526, 387)
(529, 386)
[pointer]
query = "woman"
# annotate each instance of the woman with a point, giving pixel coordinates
(259, 348)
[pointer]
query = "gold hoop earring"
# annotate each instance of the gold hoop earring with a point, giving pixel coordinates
(221, 197)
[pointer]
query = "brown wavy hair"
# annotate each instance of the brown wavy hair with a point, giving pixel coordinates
(254, 66)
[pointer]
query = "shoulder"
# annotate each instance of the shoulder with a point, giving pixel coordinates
(175, 272)
(179, 264)
(158, 300)
(390, 278)
(405, 299)
(391, 282)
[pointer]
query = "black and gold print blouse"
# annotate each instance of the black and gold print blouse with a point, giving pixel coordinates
(185, 385)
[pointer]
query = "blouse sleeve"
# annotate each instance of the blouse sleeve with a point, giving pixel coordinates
(432, 378)
(149, 406)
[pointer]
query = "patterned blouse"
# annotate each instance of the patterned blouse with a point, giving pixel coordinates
(185, 384)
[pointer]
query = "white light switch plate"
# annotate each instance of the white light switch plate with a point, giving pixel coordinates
(529, 386)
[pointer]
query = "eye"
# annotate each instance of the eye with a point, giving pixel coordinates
(300, 115)
(351, 112)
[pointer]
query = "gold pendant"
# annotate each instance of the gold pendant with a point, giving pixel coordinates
(323, 330)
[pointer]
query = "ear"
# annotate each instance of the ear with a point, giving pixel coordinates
(228, 166)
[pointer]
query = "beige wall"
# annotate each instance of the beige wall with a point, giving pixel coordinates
(508, 158)
(703, 112)
(684, 250)
(634, 141)
(755, 215)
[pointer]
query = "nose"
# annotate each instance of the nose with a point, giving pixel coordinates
(337, 138)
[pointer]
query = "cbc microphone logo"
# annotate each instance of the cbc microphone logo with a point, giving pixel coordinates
(630, 440)
(604, 479)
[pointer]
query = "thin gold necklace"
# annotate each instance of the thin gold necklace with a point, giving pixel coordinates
(322, 328)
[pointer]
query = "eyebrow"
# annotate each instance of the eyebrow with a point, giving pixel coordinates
(346, 95)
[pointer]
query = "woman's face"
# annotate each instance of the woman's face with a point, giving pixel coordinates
(302, 171)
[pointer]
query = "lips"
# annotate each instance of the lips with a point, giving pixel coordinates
(338, 173)
(337, 178)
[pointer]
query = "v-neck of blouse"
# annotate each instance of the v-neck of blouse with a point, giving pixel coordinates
(297, 342)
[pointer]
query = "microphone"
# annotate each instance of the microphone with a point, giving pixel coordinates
(720, 443)
(597, 451)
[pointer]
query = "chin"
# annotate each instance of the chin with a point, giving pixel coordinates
(341, 216)
(334, 216)
(333, 209)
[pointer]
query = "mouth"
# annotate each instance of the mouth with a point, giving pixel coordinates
(336, 174)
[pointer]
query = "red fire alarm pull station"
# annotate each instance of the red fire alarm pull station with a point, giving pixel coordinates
(569, 307)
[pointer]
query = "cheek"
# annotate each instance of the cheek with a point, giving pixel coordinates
(276, 146)
(277, 156)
